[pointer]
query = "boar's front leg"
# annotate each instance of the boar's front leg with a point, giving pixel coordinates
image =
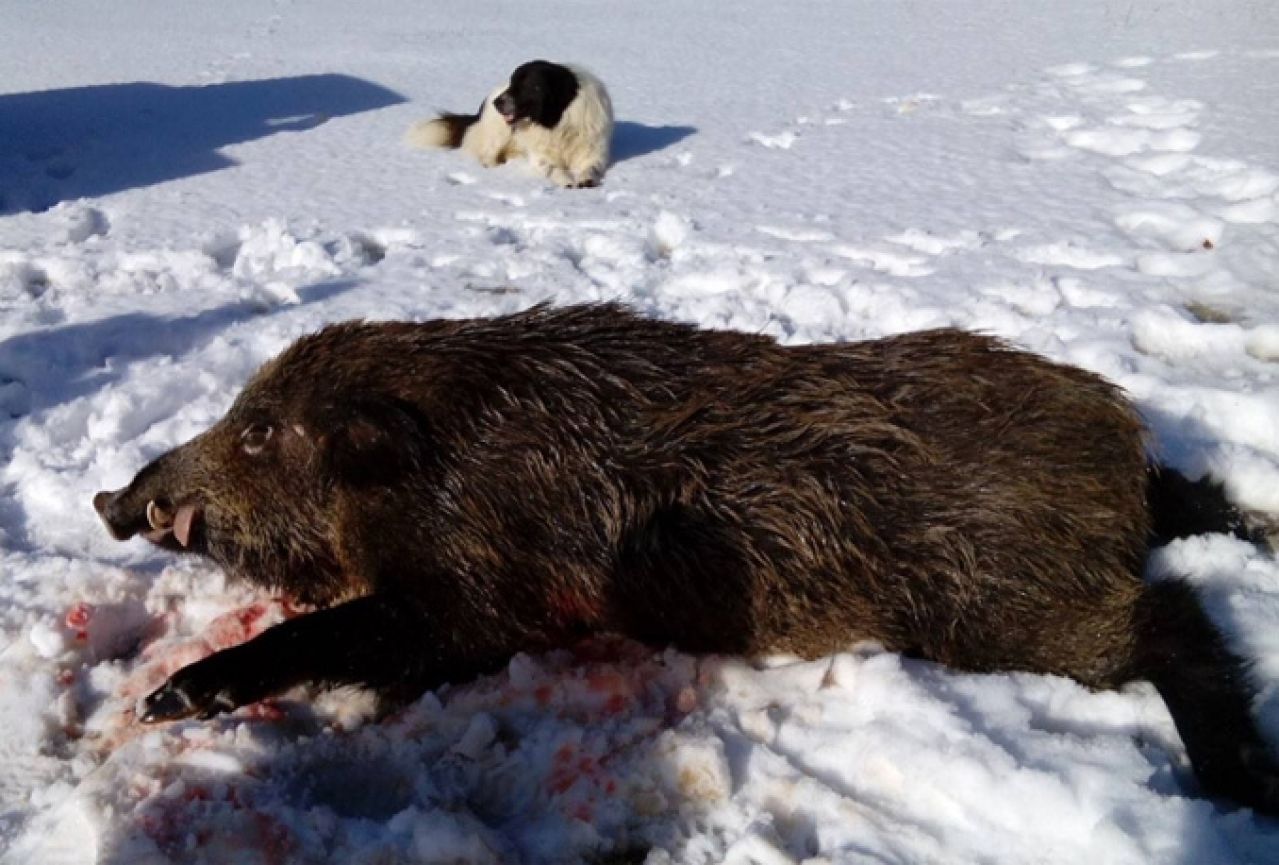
(381, 641)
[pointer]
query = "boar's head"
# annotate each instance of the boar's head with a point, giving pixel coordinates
(264, 491)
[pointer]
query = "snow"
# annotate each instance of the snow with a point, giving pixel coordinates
(183, 192)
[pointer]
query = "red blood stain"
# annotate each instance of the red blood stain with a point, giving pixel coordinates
(163, 828)
(267, 710)
(563, 774)
(78, 616)
(607, 681)
(233, 628)
(276, 840)
(561, 781)
(249, 615)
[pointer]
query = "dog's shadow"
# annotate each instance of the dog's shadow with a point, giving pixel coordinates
(632, 139)
(85, 142)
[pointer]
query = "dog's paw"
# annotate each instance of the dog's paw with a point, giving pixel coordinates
(561, 178)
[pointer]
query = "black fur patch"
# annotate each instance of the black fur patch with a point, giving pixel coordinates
(1209, 695)
(540, 91)
(1181, 508)
(457, 125)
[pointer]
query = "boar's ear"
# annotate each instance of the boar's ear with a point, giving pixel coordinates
(373, 441)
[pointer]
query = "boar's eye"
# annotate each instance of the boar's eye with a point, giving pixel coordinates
(255, 437)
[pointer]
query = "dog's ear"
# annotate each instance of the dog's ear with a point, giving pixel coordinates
(372, 441)
(556, 89)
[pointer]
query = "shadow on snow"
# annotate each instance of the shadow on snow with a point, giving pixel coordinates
(83, 142)
(635, 139)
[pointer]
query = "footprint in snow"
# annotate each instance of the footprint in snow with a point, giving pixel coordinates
(1070, 70)
(1067, 254)
(797, 235)
(1133, 62)
(1157, 113)
(501, 235)
(508, 198)
(1194, 56)
(911, 104)
(224, 249)
(1255, 212)
(781, 141)
(1062, 122)
(85, 223)
(985, 106)
(362, 249)
(1106, 85)
(1176, 226)
(928, 243)
(27, 275)
(1245, 194)
(881, 260)
(1119, 141)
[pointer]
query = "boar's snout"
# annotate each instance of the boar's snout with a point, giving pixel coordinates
(122, 517)
(147, 506)
(157, 519)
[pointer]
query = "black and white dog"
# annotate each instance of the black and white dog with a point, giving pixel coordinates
(559, 117)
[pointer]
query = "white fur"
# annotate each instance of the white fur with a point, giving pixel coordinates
(574, 153)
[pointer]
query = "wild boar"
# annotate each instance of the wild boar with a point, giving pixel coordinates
(453, 492)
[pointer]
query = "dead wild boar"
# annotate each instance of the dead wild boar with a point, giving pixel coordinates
(453, 492)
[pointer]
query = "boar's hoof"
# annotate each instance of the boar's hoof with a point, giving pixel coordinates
(201, 690)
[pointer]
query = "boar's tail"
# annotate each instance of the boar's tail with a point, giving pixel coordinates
(1180, 507)
(1209, 695)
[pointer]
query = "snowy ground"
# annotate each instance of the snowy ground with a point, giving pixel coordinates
(185, 189)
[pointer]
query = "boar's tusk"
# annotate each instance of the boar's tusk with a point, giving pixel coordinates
(158, 518)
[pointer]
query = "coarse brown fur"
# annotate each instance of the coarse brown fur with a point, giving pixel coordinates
(458, 491)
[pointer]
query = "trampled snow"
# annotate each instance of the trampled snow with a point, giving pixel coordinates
(185, 188)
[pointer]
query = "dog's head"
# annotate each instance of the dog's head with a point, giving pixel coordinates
(539, 92)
